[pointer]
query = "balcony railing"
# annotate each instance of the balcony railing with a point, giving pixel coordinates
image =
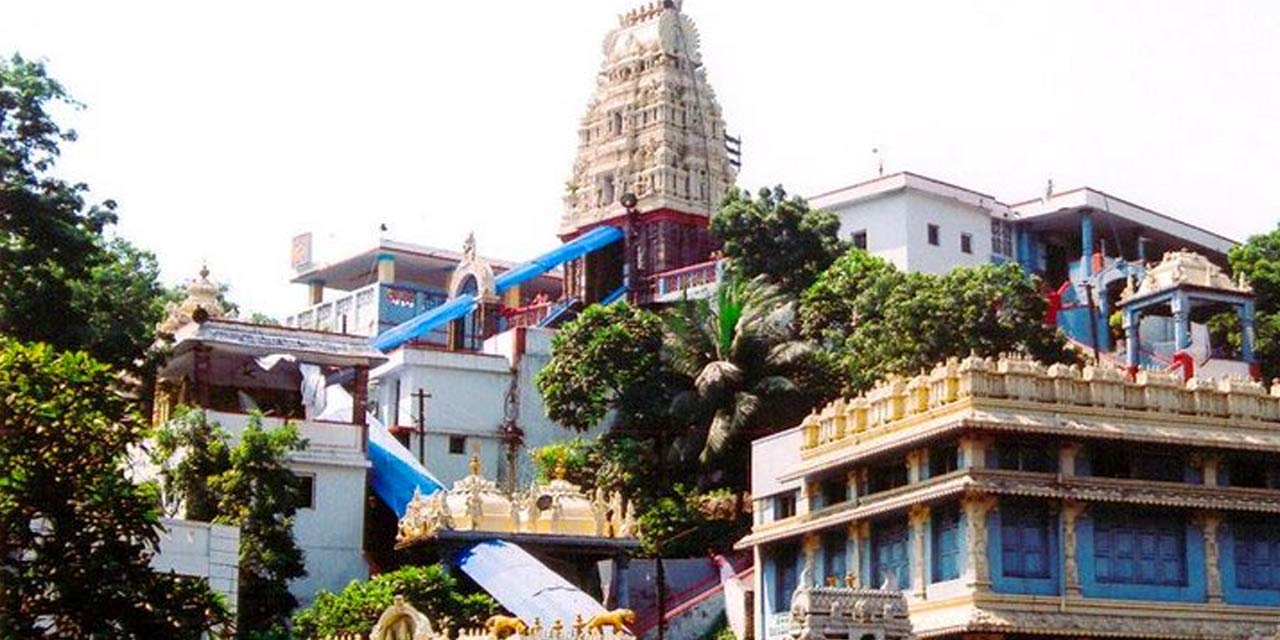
(530, 315)
(694, 281)
(370, 310)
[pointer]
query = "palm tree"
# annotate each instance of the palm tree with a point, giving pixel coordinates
(743, 362)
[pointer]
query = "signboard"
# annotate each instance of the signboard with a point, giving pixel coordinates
(300, 254)
(778, 626)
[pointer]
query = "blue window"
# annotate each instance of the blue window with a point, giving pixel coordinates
(1137, 548)
(1257, 556)
(889, 552)
(946, 543)
(1024, 540)
(835, 546)
(784, 577)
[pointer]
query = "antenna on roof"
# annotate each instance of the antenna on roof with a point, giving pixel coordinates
(1048, 189)
(875, 151)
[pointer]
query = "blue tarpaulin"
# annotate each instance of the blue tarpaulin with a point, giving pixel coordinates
(523, 585)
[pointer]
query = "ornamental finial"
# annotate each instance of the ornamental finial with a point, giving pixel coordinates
(475, 463)
(560, 469)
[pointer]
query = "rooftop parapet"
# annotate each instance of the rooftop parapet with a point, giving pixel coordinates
(1022, 380)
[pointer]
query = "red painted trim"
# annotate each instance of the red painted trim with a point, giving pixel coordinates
(657, 215)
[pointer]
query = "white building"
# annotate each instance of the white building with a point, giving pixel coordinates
(922, 224)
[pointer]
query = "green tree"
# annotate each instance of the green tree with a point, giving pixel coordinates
(63, 280)
(606, 360)
(260, 494)
(76, 534)
(777, 237)
(1258, 260)
(190, 452)
(739, 355)
(429, 589)
(873, 320)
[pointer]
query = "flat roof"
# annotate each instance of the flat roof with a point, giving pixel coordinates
(907, 180)
(307, 345)
(1096, 200)
(415, 261)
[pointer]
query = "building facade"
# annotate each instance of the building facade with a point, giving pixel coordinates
(1008, 498)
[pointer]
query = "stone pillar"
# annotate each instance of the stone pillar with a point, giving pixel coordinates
(1086, 244)
(805, 497)
(1209, 521)
(917, 465)
(810, 577)
(851, 484)
(1181, 322)
(974, 451)
(200, 374)
(315, 292)
(1247, 333)
(386, 268)
(1071, 512)
(853, 561)
(918, 518)
(1067, 459)
(360, 405)
(1209, 464)
(976, 507)
(1132, 346)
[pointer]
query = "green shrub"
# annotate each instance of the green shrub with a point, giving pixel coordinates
(356, 608)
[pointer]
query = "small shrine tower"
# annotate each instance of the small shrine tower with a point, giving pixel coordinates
(652, 129)
(1189, 289)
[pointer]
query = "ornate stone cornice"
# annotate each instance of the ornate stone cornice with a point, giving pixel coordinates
(1023, 387)
(1139, 492)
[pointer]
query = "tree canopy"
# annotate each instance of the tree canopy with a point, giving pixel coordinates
(777, 237)
(64, 279)
(76, 534)
(245, 483)
(873, 320)
(1258, 260)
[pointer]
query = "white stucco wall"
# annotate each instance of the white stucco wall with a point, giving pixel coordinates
(884, 219)
(468, 399)
(953, 219)
(896, 223)
(201, 550)
(331, 532)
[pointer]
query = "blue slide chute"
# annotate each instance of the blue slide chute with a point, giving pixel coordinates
(460, 306)
(522, 584)
(595, 239)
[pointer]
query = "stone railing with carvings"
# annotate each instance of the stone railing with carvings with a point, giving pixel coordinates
(529, 315)
(1020, 379)
(401, 621)
(847, 612)
(691, 280)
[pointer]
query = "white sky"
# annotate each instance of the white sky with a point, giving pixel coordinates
(223, 129)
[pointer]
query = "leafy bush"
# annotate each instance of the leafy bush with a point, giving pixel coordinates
(356, 608)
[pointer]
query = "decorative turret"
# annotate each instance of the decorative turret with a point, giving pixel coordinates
(1183, 285)
(652, 129)
(201, 303)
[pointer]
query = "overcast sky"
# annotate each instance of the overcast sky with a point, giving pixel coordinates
(223, 129)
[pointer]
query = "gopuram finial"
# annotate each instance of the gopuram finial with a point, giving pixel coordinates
(475, 463)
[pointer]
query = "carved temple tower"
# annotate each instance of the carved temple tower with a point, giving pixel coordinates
(652, 129)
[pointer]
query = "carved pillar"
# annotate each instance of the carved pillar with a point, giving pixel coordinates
(200, 374)
(852, 578)
(851, 484)
(974, 451)
(1209, 521)
(976, 507)
(1067, 459)
(1071, 512)
(1209, 464)
(917, 462)
(806, 495)
(809, 577)
(918, 517)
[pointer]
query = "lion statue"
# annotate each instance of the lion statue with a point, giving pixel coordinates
(503, 626)
(619, 619)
